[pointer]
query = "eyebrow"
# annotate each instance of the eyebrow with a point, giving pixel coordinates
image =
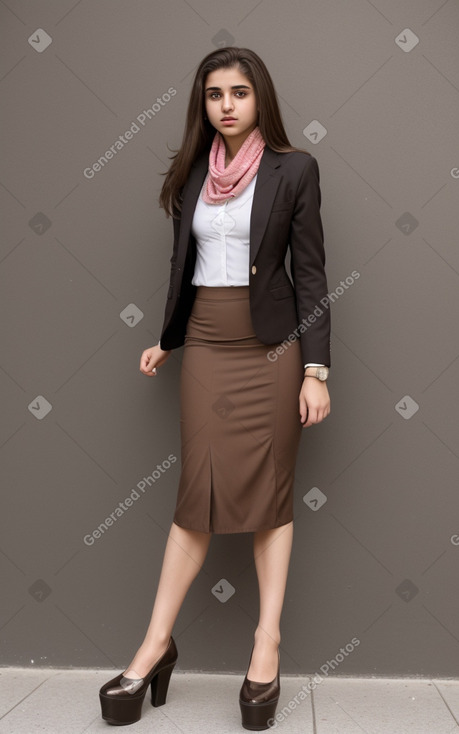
(236, 86)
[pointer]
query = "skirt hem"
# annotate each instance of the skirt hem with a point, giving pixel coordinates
(233, 532)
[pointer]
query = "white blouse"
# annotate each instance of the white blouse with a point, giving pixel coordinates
(222, 233)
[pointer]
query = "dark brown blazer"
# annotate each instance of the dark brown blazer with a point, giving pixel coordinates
(285, 214)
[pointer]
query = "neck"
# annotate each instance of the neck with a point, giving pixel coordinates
(234, 143)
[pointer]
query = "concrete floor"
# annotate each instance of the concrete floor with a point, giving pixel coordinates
(67, 702)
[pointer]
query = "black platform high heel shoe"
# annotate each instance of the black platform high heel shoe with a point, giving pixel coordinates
(121, 698)
(258, 701)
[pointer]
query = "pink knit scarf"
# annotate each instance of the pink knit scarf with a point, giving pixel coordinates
(224, 183)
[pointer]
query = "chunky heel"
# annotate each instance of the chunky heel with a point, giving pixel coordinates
(258, 716)
(159, 686)
(121, 698)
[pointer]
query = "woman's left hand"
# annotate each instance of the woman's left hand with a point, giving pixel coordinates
(314, 401)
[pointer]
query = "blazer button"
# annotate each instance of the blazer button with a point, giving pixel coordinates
(254, 269)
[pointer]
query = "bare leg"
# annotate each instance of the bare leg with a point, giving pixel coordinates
(272, 550)
(183, 558)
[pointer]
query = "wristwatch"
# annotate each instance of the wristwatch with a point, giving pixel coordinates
(320, 372)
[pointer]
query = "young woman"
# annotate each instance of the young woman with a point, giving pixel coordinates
(255, 361)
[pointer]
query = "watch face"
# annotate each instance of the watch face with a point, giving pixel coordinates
(322, 373)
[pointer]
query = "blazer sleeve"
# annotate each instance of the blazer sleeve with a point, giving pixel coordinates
(307, 266)
(168, 308)
(180, 296)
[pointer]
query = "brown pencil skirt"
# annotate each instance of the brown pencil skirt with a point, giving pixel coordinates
(239, 420)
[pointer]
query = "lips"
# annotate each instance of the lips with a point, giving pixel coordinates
(227, 119)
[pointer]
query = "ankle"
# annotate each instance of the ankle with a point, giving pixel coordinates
(156, 642)
(264, 637)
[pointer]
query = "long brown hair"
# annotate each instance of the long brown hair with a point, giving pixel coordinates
(199, 133)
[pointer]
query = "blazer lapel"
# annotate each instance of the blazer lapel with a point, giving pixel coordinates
(265, 191)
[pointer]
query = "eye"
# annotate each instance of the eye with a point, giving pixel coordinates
(241, 93)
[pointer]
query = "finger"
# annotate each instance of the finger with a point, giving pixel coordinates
(150, 363)
(148, 369)
(144, 366)
(151, 367)
(303, 409)
(312, 418)
(323, 414)
(149, 373)
(305, 416)
(144, 359)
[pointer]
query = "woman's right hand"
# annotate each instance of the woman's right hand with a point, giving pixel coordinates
(151, 359)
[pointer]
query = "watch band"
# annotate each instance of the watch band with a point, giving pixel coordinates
(320, 373)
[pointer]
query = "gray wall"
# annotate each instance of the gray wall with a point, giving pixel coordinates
(83, 280)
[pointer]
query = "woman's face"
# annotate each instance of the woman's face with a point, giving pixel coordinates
(230, 103)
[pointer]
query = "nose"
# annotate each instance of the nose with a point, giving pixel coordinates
(227, 102)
